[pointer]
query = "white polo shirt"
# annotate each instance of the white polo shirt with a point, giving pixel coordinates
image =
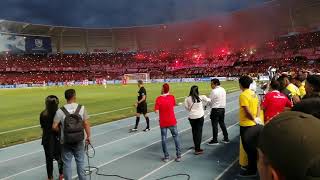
(218, 97)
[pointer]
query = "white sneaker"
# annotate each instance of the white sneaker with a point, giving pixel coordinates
(133, 130)
(165, 160)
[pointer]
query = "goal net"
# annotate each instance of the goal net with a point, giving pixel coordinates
(133, 78)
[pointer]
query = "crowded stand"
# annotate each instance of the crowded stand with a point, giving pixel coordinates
(285, 53)
(235, 95)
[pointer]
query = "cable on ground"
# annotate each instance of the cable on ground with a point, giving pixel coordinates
(90, 169)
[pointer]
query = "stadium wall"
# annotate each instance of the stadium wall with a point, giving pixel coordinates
(78, 83)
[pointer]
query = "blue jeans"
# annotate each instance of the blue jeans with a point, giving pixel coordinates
(68, 152)
(174, 132)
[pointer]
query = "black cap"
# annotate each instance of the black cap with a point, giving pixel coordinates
(291, 142)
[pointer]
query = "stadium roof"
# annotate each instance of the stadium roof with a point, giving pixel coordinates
(240, 28)
(116, 13)
(301, 13)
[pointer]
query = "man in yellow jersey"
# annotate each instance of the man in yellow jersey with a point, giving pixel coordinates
(289, 89)
(293, 88)
(249, 125)
(297, 81)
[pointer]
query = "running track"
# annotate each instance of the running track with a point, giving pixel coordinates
(137, 155)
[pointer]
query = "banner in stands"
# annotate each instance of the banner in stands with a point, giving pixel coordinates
(157, 80)
(264, 78)
(12, 44)
(232, 79)
(17, 44)
(38, 44)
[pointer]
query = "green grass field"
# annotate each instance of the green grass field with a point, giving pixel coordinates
(20, 108)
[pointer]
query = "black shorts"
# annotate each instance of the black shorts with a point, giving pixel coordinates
(142, 109)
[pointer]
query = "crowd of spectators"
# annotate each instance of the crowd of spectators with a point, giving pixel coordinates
(286, 54)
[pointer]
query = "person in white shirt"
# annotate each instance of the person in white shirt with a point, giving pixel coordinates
(218, 98)
(253, 86)
(194, 104)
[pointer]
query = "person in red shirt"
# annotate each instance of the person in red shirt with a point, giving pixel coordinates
(165, 107)
(274, 102)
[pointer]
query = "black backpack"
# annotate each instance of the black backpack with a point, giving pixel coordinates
(73, 126)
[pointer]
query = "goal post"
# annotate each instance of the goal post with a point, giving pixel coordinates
(133, 78)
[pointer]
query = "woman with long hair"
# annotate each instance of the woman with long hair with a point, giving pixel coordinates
(195, 103)
(50, 138)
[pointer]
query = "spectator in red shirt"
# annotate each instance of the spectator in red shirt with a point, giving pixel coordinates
(274, 102)
(165, 107)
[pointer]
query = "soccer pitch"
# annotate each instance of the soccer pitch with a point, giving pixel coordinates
(20, 108)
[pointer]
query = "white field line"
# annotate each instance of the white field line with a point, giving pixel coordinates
(35, 152)
(20, 129)
(156, 127)
(153, 119)
(108, 112)
(166, 164)
(101, 165)
(99, 134)
(227, 169)
(38, 126)
(92, 115)
(37, 167)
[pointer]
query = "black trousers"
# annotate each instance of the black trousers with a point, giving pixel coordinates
(197, 125)
(52, 150)
(217, 117)
(249, 137)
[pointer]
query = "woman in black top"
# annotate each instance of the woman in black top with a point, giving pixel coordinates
(50, 139)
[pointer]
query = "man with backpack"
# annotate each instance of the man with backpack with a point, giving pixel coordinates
(72, 121)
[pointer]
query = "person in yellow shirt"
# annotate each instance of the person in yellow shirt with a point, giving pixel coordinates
(294, 90)
(249, 125)
(298, 81)
(302, 90)
(290, 88)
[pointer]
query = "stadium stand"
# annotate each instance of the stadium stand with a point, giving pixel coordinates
(250, 42)
(297, 52)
